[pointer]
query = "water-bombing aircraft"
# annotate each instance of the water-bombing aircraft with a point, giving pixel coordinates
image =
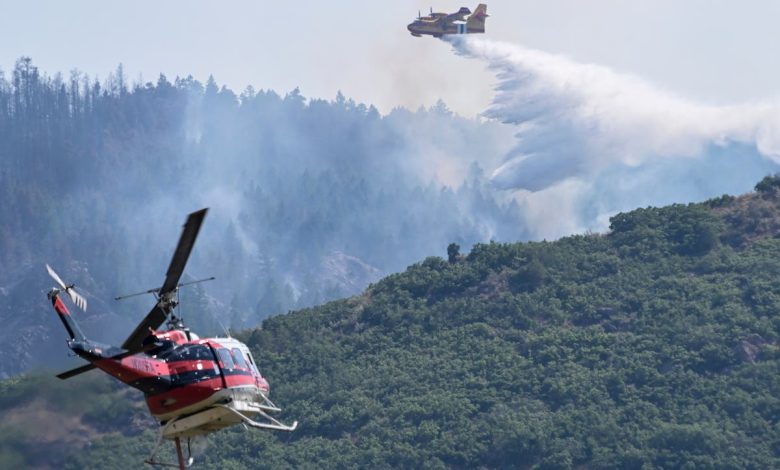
(439, 24)
(192, 386)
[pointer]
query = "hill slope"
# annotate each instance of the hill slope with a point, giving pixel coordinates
(653, 346)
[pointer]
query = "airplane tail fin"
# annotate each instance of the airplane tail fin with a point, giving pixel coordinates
(477, 19)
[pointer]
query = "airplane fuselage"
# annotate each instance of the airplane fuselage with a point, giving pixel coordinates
(462, 21)
(432, 28)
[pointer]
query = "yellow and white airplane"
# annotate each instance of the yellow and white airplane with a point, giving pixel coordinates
(462, 21)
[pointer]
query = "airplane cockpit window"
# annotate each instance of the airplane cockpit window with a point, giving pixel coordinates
(238, 358)
(225, 359)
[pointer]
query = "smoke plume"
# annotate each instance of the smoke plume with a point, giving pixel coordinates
(592, 141)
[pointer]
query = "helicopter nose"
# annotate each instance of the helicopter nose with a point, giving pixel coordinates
(263, 384)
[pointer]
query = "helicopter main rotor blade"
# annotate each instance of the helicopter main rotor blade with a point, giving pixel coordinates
(159, 312)
(153, 319)
(183, 250)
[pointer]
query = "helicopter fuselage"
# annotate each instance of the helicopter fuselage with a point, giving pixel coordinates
(182, 373)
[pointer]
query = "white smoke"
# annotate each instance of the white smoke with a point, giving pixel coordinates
(619, 141)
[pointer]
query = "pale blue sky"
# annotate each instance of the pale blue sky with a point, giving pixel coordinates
(711, 51)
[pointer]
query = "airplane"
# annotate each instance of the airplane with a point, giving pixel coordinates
(192, 386)
(440, 24)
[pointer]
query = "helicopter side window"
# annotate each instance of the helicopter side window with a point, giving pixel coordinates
(183, 372)
(252, 362)
(190, 352)
(225, 359)
(238, 358)
(162, 351)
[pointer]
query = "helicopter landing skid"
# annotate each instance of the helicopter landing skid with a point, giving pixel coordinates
(180, 427)
(274, 424)
(183, 464)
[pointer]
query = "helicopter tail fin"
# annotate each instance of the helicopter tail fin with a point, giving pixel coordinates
(74, 331)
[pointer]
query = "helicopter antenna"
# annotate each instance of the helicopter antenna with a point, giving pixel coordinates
(177, 321)
(219, 322)
(226, 330)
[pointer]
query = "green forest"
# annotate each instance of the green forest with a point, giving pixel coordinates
(653, 345)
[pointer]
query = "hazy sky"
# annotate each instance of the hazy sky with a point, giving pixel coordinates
(710, 51)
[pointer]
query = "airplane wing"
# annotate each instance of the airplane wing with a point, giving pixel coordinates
(443, 21)
(439, 21)
(459, 15)
(453, 17)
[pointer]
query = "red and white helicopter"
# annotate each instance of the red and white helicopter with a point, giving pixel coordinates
(192, 386)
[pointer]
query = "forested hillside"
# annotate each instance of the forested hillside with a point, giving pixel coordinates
(311, 199)
(655, 345)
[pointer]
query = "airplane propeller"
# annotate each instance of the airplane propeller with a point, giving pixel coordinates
(75, 297)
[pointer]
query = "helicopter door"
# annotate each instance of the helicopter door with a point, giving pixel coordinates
(238, 360)
(190, 363)
(225, 363)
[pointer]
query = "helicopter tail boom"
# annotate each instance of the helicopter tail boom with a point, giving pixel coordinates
(71, 326)
(86, 349)
(95, 356)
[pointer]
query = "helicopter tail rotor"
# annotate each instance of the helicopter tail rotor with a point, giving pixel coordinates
(74, 331)
(75, 297)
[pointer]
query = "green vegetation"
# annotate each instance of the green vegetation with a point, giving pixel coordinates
(45, 419)
(652, 346)
(769, 184)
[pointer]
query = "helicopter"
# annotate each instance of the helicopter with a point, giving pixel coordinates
(192, 386)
